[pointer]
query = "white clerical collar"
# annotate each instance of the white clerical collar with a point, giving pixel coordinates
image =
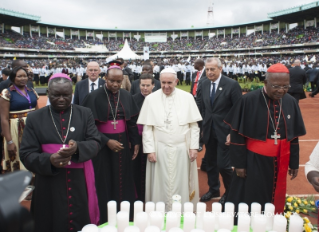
(96, 82)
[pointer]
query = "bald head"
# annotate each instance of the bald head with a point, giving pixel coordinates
(297, 63)
(93, 70)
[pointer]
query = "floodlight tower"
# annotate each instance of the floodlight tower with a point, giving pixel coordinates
(210, 15)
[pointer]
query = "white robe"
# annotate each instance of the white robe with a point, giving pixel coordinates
(173, 173)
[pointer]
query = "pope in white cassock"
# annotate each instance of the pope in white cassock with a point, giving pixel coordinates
(171, 139)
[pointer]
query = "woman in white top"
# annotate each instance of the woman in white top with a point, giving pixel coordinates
(312, 168)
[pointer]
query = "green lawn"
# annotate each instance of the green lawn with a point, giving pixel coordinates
(186, 88)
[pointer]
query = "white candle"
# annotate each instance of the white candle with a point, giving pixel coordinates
(242, 208)
(156, 219)
(132, 229)
(280, 223)
(208, 221)
(296, 223)
(141, 220)
(188, 207)
(269, 213)
(160, 207)
(177, 198)
(122, 220)
(149, 207)
(138, 207)
(260, 223)
(201, 209)
(176, 229)
(152, 229)
(172, 220)
(111, 213)
(189, 221)
(197, 230)
(108, 228)
(230, 209)
(217, 209)
(243, 223)
(90, 228)
(177, 207)
(255, 209)
(125, 206)
(225, 221)
(223, 230)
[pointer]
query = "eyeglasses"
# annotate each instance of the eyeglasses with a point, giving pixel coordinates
(277, 87)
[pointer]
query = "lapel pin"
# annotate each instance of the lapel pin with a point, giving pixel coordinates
(220, 88)
(288, 116)
(72, 129)
(100, 86)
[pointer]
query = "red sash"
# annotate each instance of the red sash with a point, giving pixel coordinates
(282, 152)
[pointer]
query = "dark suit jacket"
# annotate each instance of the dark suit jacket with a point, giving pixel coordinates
(297, 80)
(311, 74)
(127, 71)
(227, 94)
(82, 89)
(193, 79)
(135, 88)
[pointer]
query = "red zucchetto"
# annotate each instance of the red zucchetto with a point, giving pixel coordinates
(277, 68)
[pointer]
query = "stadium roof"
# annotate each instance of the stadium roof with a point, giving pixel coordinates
(296, 14)
(16, 18)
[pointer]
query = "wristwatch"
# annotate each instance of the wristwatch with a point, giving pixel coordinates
(10, 142)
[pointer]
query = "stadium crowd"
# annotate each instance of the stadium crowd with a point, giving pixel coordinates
(296, 35)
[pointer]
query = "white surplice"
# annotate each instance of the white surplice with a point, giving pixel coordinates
(173, 173)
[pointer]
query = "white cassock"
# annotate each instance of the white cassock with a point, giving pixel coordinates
(170, 130)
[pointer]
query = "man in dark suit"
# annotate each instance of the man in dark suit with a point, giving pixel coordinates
(135, 88)
(297, 80)
(311, 75)
(199, 65)
(86, 86)
(217, 95)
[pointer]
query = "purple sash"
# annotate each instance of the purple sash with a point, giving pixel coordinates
(140, 129)
(89, 179)
(108, 127)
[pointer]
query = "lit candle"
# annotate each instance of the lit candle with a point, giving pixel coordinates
(176, 229)
(125, 206)
(108, 228)
(171, 220)
(156, 219)
(243, 223)
(208, 221)
(111, 213)
(280, 223)
(225, 221)
(152, 229)
(188, 207)
(260, 223)
(242, 208)
(269, 213)
(177, 207)
(132, 229)
(122, 220)
(141, 220)
(189, 221)
(201, 209)
(295, 223)
(90, 228)
(138, 207)
(230, 209)
(217, 209)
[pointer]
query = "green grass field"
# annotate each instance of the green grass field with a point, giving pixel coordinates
(186, 88)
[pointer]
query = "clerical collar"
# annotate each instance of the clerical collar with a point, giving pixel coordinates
(143, 95)
(67, 110)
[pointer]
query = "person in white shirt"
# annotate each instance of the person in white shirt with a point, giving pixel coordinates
(36, 72)
(312, 168)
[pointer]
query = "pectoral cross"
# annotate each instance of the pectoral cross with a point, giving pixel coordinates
(69, 163)
(275, 136)
(114, 123)
(167, 122)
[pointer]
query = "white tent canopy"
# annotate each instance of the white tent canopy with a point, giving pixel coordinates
(126, 53)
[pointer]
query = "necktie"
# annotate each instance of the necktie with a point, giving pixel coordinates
(212, 95)
(92, 86)
(195, 83)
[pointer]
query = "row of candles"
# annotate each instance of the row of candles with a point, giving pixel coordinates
(152, 219)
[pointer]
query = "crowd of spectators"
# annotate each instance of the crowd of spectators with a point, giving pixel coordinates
(297, 35)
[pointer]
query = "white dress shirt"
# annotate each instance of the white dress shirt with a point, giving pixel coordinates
(96, 86)
(216, 84)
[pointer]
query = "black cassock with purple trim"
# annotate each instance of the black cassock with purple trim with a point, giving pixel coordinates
(64, 198)
(113, 170)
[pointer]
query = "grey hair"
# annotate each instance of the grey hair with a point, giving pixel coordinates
(217, 60)
(59, 80)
